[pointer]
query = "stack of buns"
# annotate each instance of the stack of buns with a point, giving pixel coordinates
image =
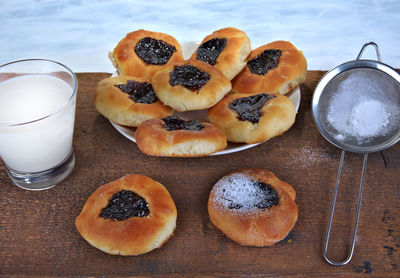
(244, 94)
(155, 81)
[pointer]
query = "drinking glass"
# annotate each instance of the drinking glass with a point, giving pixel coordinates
(37, 114)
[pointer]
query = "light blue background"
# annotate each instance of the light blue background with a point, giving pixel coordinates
(81, 33)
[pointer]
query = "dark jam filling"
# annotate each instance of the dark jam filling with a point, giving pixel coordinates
(209, 51)
(154, 52)
(264, 62)
(176, 123)
(189, 76)
(125, 204)
(140, 92)
(269, 197)
(250, 108)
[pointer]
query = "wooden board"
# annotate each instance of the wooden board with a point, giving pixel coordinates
(38, 237)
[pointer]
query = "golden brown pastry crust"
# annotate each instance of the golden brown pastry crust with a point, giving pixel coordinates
(255, 227)
(290, 72)
(278, 115)
(116, 105)
(127, 62)
(153, 139)
(182, 99)
(135, 235)
(233, 58)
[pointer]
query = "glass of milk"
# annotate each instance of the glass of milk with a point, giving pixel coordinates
(37, 112)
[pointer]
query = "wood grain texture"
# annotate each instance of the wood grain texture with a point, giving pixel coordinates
(38, 237)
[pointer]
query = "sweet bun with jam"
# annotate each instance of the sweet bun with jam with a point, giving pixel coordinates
(277, 67)
(129, 216)
(253, 118)
(128, 101)
(141, 53)
(190, 85)
(253, 207)
(225, 49)
(173, 136)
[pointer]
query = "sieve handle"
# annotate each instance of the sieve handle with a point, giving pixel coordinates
(347, 260)
(378, 53)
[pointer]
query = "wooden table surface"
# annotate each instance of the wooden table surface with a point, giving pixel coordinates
(38, 237)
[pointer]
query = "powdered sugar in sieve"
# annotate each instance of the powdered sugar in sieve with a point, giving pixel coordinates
(361, 106)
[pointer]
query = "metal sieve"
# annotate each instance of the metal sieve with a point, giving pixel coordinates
(325, 94)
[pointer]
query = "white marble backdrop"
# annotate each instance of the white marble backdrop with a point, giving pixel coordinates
(80, 33)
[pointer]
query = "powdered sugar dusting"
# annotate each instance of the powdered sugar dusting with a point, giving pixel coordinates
(240, 192)
(307, 157)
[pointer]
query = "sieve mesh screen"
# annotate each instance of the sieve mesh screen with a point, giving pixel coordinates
(360, 107)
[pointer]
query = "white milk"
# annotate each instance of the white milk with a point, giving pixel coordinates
(43, 144)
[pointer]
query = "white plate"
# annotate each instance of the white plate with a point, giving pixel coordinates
(187, 49)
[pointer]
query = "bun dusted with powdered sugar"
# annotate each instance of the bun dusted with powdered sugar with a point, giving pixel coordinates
(253, 207)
